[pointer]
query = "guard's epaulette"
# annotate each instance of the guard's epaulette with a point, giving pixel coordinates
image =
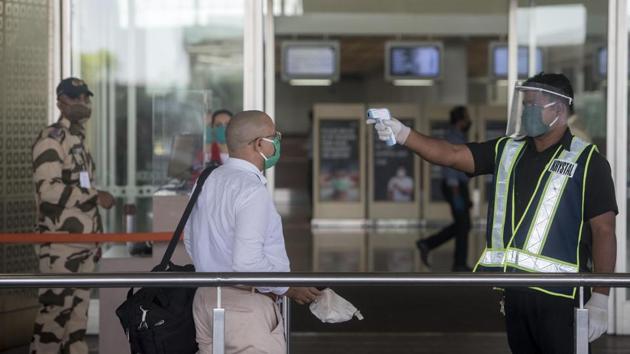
(55, 131)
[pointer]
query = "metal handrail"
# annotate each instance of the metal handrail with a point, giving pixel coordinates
(194, 279)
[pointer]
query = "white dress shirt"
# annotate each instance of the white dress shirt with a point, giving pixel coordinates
(234, 226)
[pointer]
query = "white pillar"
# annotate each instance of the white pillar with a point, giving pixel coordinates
(270, 78)
(131, 99)
(617, 144)
(512, 51)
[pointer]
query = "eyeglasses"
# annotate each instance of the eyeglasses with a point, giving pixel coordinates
(274, 136)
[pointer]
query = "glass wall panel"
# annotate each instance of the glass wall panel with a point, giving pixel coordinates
(574, 46)
(25, 40)
(627, 185)
(132, 51)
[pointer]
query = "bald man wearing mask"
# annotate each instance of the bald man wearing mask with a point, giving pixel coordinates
(234, 227)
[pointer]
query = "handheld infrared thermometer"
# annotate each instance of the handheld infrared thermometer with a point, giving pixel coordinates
(381, 114)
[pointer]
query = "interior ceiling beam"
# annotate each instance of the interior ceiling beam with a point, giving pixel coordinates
(392, 24)
(447, 25)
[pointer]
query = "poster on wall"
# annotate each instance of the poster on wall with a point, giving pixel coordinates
(394, 172)
(438, 129)
(494, 129)
(339, 170)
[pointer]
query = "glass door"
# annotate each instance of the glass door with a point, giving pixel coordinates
(130, 51)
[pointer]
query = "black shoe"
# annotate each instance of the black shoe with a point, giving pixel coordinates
(424, 252)
(141, 249)
(462, 269)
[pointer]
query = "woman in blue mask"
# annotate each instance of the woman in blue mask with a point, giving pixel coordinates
(216, 138)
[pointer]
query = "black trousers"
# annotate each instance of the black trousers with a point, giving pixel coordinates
(537, 323)
(458, 229)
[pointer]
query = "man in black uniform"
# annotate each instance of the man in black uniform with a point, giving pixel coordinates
(553, 210)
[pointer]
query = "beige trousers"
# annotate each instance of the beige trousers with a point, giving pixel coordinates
(253, 323)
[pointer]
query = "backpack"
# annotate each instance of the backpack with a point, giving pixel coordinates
(160, 320)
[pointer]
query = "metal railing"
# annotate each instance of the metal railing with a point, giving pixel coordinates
(181, 279)
(184, 279)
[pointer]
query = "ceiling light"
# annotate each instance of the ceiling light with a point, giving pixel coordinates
(310, 82)
(413, 82)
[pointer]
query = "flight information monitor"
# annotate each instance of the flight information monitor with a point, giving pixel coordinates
(413, 60)
(310, 60)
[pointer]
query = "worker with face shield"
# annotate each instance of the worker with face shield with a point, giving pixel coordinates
(552, 210)
(536, 109)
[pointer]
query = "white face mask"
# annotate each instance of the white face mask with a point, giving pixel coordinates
(332, 308)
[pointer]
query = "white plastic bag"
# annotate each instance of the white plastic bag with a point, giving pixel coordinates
(332, 308)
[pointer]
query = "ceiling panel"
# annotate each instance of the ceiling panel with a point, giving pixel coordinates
(406, 6)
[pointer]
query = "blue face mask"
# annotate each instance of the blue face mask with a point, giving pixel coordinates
(219, 134)
(532, 120)
(208, 134)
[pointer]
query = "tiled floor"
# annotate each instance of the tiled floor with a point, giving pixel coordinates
(426, 343)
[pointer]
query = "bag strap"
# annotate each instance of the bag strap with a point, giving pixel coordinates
(182, 221)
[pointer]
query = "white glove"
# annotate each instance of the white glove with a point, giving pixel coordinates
(387, 126)
(597, 315)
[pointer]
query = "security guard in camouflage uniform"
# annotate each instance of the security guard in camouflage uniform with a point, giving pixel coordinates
(67, 202)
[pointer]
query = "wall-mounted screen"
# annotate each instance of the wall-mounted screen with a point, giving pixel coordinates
(499, 61)
(310, 60)
(413, 60)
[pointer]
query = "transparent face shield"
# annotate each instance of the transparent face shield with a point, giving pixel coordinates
(535, 111)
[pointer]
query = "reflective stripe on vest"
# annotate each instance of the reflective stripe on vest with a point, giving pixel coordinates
(494, 255)
(537, 263)
(551, 198)
(492, 258)
(530, 259)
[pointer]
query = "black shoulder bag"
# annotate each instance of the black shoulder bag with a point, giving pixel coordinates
(160, 320)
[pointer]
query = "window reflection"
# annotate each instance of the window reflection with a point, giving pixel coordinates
(132, 51)
(573, 47)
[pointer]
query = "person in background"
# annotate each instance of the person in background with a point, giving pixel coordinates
(218, 142)
(215, 151)
(67, 202)
(455, 190)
